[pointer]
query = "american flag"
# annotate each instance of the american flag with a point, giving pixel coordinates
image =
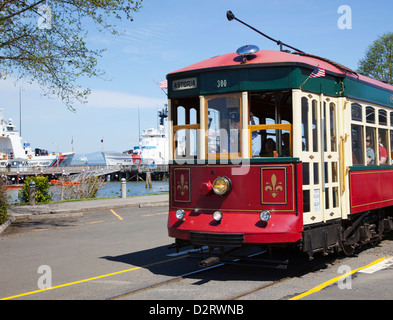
(163, 84)
(318, 72)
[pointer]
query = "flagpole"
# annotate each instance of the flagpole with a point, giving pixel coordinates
(160, 87)
(307, 78)
(304, 82)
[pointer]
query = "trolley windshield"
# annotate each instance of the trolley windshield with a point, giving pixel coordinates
(231, 126)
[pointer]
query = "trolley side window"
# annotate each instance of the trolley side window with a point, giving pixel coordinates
(371, 140)
(357, 145)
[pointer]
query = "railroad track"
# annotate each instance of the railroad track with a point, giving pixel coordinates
(206, 270)
(177, 279)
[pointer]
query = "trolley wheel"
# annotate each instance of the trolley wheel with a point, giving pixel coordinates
(348, 249)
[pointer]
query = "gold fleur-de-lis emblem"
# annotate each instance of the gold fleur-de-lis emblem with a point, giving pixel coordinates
(273, 187)
(182, 185)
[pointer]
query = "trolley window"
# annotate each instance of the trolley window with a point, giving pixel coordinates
(224, 126)
(356, 112)
(270, 127)
(185, 115)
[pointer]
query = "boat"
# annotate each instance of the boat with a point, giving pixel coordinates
(64, 182)
(126, 158)
(79, 162)
(15, 154)
(153, 149)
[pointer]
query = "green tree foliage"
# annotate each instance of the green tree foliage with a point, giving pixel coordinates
(44, 41)
(3, 202)
(42, 194)
(378, 62)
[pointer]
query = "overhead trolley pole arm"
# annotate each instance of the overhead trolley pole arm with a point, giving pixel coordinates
(231, 16)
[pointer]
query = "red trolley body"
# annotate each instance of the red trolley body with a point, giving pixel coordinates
(273, 187)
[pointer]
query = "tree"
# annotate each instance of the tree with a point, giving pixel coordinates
(44, 41)
(378, 62)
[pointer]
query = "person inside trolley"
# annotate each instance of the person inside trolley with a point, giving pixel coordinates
(234, 135)
(383, 155)
(369, 151)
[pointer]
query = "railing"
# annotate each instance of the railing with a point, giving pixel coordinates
(99, 170)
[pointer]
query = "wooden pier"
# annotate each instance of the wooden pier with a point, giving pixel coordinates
(15, 175)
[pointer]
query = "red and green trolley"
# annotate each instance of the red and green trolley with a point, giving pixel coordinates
(266, 151)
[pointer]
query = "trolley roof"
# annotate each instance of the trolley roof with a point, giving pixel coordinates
(345, 82)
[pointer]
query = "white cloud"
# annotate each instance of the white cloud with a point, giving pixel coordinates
(9, 90)
(112, 99)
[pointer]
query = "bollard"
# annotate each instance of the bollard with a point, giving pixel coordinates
(32, 193)
(148, 180)
(123, 188)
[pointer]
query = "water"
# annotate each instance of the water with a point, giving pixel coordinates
(113, 189)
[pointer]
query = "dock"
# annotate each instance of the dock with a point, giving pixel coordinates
(16, 175)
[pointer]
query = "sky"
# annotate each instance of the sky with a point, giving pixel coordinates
(168, 35)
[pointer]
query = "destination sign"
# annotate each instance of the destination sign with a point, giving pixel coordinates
(184, 84)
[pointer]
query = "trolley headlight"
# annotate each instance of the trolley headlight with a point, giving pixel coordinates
(217, 216)
(265, 215)
(180, 214)
(222, 185)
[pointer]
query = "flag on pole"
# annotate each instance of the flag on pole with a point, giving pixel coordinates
(163, 84)
(318, 72)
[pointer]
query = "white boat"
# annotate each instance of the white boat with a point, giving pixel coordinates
(79, 162)
(153, 149)
(154, 146)
(14, 153)
(126, 158)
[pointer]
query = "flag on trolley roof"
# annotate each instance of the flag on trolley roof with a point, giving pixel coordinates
(163, 84)
(318, 72)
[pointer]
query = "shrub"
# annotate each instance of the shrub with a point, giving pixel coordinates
(85, 188)
(42, 194)
(3, 202)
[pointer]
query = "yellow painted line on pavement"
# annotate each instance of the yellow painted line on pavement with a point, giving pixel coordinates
(90, 279)
(153, 214)
(120, 218)
(329, 282)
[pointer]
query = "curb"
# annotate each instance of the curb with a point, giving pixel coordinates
(6, 224)
(67, 213)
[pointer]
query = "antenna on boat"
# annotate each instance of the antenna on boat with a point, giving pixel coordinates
(231, 16)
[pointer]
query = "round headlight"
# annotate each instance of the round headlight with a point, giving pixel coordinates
(217, 216)
(265, 215)
(180, 214)
(222, 185)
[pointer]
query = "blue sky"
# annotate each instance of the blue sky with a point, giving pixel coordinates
(168, 35)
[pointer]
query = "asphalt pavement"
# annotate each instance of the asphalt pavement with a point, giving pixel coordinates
(62, 209)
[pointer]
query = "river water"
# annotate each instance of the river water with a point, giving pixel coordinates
(113, 189)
